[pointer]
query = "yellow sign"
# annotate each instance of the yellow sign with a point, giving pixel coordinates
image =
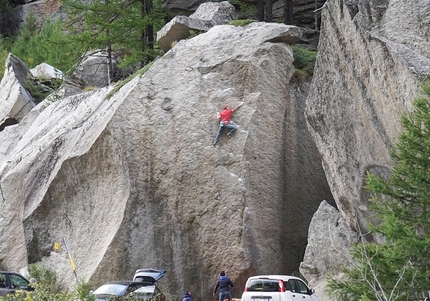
(56, 246)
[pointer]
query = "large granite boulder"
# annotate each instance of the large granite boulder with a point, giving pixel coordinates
(130, 178)
(372, 56)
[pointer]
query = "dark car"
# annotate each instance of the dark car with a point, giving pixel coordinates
(10, 282)
(148, 275)
(129, 289)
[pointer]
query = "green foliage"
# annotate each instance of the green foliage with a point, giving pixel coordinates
(246, 9)
(40, 91)
(49, 44)
(304, 61)
(128, 79)
(46, 289)
(398, 268)
(82, 292)
(241, 22)
(127, 27)
(5, 46)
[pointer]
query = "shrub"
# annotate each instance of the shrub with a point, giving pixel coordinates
(241, 22)
(397, 269)
(304, 61)
(49, 44)
(46, 289)
(5, 46)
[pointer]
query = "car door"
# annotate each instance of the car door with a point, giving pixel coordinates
(303, 292)
(18, 283)
(3, 284)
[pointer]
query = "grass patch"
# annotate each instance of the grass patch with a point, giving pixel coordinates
(241, 22)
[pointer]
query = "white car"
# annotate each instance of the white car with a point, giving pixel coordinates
(277, 288)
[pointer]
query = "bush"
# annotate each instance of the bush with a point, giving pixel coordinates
(241, 22)
(5, 46)
(46, 289)
(398, 268)
(49, 44)
(304, 61)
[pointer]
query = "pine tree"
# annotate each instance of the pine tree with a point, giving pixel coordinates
(398, 268)
(123, 27)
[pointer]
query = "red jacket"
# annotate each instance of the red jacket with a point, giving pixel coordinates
(225, 115)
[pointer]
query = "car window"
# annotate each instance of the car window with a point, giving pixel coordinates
(146, 292)
(18, 282)
(263, 285)
(302, 287)
(2, 280)
(292, 284)
(111, 289)
(133, 287)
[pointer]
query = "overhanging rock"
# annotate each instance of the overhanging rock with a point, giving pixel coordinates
(205, 17)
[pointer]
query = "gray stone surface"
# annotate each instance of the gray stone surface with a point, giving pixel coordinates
(304, 15)
(205, 17)
(372, 56)
(93, 70)
(363, 82)
(16, 101)
(329, 242)
(133, 180)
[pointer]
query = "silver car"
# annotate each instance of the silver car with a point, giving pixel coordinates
(10, 282)
(277, 288)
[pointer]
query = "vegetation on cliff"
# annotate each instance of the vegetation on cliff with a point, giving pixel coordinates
(398, 268)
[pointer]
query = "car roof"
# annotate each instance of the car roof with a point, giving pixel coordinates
(127, 282)
(281, 277)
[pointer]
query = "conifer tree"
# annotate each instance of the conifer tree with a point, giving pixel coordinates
(398, 268)
(125, 27)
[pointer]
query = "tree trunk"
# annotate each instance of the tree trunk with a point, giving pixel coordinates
(269, 10)
(109, 61)
(260, 10)
(288, 12)
(109, 55)
(147, 35)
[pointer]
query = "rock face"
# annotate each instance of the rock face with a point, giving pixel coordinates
(17, 102)
(380, 50)
(130, 178)
(329, 242)
(205, 17)
(305, 12)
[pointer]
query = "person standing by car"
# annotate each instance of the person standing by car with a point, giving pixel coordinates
(187, 296)
(224, 283)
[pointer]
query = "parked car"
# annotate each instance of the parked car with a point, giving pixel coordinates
(148, 275)
(277, 288)
(10, 282)
(143, 286)
(128, 289)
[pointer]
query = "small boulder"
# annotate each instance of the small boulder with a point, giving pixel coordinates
(15, 100)
(206, 16)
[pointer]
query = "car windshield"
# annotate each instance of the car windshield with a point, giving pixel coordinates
(145, 292)
(111, 289)
(262, 285)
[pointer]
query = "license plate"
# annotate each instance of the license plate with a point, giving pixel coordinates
(261, 298)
